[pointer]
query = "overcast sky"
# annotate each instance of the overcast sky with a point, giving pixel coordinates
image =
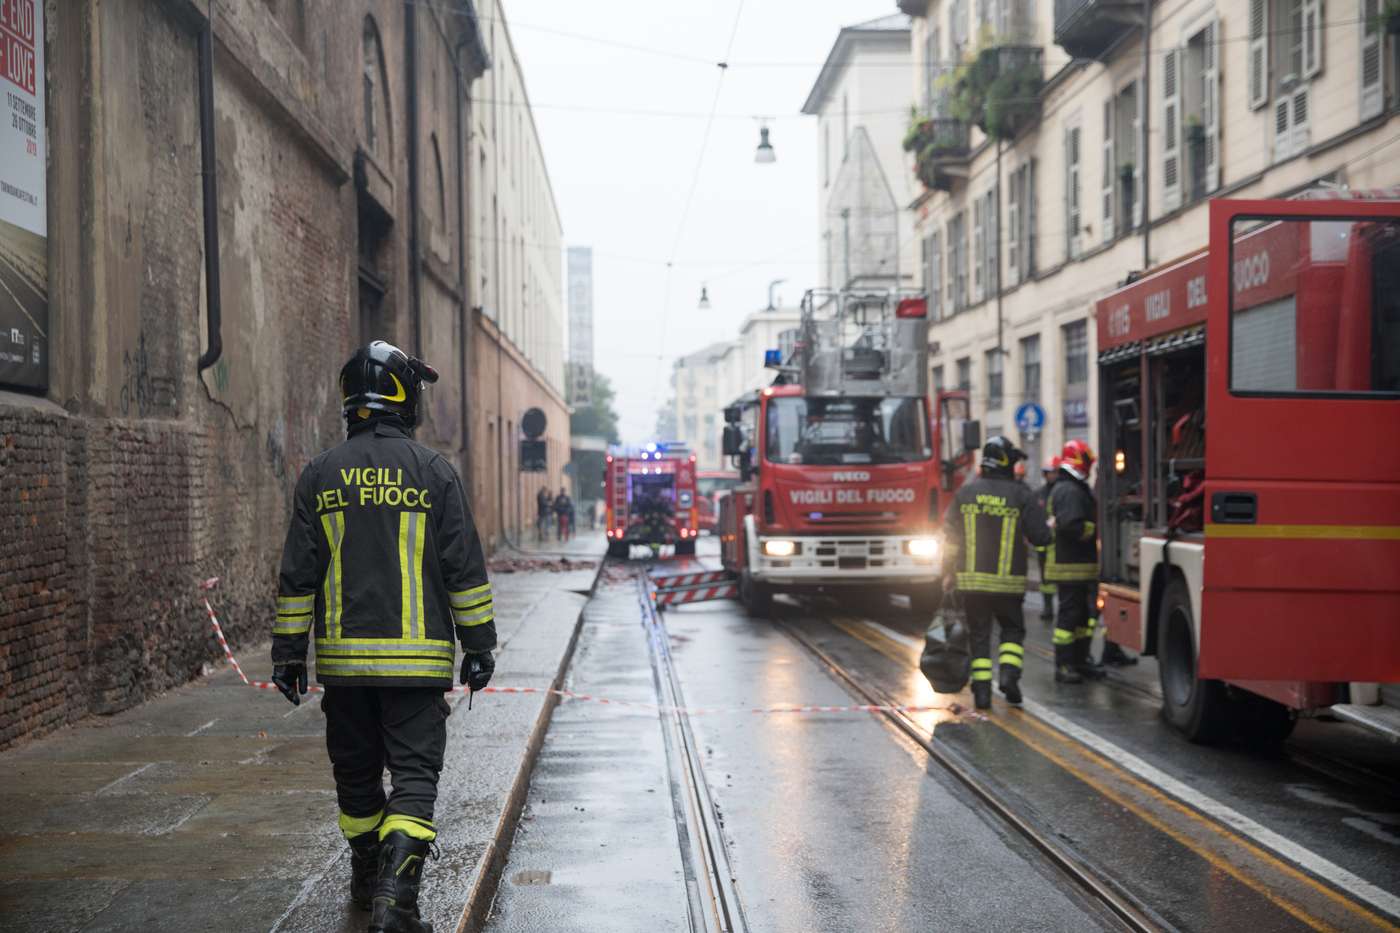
(622, 180)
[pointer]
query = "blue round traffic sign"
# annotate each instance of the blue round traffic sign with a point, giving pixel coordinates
(1030, 418)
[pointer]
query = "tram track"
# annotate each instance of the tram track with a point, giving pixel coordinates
(1093, 882)
(711, 886)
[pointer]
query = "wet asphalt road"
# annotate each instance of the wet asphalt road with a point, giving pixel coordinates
(834, 821)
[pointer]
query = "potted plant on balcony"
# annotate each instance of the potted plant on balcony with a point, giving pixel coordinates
(1195, 132)
(1388, 19)
(1125, 172)
(998, 89)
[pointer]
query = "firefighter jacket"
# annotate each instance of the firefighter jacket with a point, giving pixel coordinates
(1042, 495)
(1074, 555)
(985, 531)
(382, 560)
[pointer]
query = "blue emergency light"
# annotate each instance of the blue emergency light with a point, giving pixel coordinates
(772, 359)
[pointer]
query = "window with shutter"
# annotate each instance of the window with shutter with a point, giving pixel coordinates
(935, 279)
(1372, 57)
(1312, 37)
(1029, 247)
(1109, 171)
(1073, 192)
(1171, 131)
(1130, 99)
(1258, 62)
(992, 218)
(1013, 225)
(1210, 105)
(977, 249)
(1292, 130)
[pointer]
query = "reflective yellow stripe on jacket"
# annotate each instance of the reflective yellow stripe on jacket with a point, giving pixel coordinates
(384, 657)
(294, 614)
(473, 606)
(334, 525)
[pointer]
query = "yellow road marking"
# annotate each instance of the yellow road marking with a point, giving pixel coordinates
(1349, 532)
(901, 653)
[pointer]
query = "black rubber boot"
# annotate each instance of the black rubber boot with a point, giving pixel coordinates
(1113, 653)
(1066, 671)
(982, 694)
(1047, 607)
(364, 868)
(401, 860)
(1011, 683)
(1084, 662)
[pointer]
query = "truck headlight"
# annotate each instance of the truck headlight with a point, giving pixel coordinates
(922, 547)
(779, 548)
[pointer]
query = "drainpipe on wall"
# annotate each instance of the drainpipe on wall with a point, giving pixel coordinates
(209, 173)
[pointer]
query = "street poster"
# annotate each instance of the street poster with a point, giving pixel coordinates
(24, 270)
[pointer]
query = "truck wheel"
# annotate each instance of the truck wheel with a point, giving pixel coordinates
(1201, 710)
(618, 550)
(757, 597)
(686, 547)
(925, 600)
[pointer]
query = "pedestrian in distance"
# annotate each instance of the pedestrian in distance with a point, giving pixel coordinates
(563, 511)
(984, 559)
(1072, 564)
(544, 502)
(1049, 470)
(383, 565)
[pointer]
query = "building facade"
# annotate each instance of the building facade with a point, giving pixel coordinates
(1073, 161)
(696, 380)
(162, 446)
(517, 294)
(867, 231)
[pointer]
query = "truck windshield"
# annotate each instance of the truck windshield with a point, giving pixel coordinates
(847, 430)
(709, 485)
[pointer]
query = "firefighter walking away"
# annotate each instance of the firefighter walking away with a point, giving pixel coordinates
(986, 529)
(383, 563)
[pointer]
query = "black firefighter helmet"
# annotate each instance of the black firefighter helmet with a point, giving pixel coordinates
(381, 377)
(1000, 455)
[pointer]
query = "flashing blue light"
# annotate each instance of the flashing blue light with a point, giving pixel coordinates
(651, 447)
(772, 359)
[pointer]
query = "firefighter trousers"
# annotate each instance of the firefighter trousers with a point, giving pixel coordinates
(1074, 629)
(401, 728)
(1005, 609)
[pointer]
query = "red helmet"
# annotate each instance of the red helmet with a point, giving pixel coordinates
(1050, 465)
(1077, 459)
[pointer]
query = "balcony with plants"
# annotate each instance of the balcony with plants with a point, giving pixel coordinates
(1086, 28)
(941, 147)
(998, 90)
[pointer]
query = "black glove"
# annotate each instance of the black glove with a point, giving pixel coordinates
(291, 680)
(477, 670)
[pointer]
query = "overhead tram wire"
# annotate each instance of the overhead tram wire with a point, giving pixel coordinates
(694, 180)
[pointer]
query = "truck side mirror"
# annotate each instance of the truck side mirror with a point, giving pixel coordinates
(733, 440)
(733, 415)
(972, 435)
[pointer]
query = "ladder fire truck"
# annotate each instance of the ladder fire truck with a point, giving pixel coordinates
(650, 496)
(845, 470)
(1250, 486)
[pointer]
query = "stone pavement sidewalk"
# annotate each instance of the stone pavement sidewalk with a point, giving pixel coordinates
(212, 807)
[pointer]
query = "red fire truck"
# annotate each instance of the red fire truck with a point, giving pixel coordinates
(710, 487)
(1259, 560)
(845, 469)
(650, 496)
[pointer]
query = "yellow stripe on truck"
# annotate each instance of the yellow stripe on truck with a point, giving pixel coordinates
(1343, 532)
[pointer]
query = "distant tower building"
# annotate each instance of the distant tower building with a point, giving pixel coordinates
(580, 326)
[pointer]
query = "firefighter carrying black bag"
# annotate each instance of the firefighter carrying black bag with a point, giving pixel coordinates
(945, 661)
(985, 532)
(383, 563)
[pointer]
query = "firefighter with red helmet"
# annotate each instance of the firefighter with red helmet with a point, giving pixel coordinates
(1072, 563)
(985, 533)
(1049, 470)
(383, 565)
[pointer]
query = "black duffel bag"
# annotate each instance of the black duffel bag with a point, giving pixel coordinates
(946, 660)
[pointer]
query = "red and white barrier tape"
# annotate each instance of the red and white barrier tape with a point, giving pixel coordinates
(955, 708)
